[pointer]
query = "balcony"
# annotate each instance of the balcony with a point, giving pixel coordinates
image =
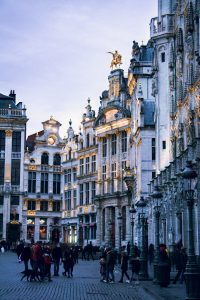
(15, 188)
(57, 169)
(10, 113)
(165, 26)
(44, 168)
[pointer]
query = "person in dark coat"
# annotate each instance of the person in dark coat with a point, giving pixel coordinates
(180, 261)
(26, 255)
(110, 263)
(128, 248)
(57, 257)
(19, 250)
(68, 263)
(124, 267)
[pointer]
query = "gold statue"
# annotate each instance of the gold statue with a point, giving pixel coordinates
(117, 59)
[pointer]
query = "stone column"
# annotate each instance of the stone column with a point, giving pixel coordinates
(7, 180)
(107, 219)
(108, 162)
(99, 225)
(118, 235)
(118, 162)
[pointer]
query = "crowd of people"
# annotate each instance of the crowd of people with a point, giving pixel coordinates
(47, 258)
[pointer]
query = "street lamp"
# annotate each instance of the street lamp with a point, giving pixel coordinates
(156, 195)
(192, 273)
(119, 218)
(143, 256)
(132, 211)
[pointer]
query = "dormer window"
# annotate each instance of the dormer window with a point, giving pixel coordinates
(163, 57)
(88, 140)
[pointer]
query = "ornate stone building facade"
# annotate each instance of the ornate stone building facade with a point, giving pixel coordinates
(179, 23)
(12, 144)
(43, 184)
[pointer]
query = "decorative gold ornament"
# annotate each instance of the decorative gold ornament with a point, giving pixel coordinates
(8, 133)
(117, 59)
(51, 140)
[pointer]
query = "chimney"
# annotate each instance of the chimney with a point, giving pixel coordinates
(12, 95)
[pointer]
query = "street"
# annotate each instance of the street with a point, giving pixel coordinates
(85, 284)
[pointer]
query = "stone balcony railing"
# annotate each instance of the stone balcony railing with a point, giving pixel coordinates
(164, 26)
(9, 112)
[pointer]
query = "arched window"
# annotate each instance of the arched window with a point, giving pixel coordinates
(70, 154)
(56, 160)
(44, 159)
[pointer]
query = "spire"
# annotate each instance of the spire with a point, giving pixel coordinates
(70, 130)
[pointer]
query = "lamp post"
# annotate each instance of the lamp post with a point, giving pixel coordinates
(143, 256)
(119, 219)
(192, 273)
(156, 195)
(129, 178)
(132, 213)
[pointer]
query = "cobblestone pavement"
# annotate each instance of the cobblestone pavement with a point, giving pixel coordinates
(84, 285)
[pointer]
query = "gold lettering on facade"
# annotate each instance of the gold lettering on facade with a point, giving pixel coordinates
(31, 213)
(32, 168)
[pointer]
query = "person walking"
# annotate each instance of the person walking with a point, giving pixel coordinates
(57, 257)
(180, 261)
(110, 263)
(26, 255)
(124, 267)
(47, 263)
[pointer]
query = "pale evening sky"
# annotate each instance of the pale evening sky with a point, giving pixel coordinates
(53, 52)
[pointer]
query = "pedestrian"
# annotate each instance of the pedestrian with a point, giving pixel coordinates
(103, 267)
(151, 253)
(26, 255)
(19, 249)
(124, 267)
(180, 261)
(47, 263)
(57, 258)
(68, 263)
(37, 258)
(135, 268)
(90, 251)
(110, 264)
(128, 248)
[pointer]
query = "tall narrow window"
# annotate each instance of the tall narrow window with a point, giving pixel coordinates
(163, 57)
(87, 193)
(68, 200)
(88, 140)
(87, 165)
(44, 183)
(114, 144)
(31, 182)
(16, 141)
(2, 168)
(93, 190)
(104, 147)
(93, 163)
(124, 141)
(2, 140)
(74, 174)
(15, 172)
(74, 198)
(70, 154)
(81, 166)
(56, 206)
(68, 176)
(113, 176)
(104, 172)
(56, 183)
(81, 194)
(44, 159)
(31, 205)
(56, 160)
(164, 145)
(94, 140)
(153, 148)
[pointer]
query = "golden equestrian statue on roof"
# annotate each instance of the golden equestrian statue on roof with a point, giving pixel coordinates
(117, 59)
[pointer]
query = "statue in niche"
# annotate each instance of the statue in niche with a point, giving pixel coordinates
(154, 85)
(179, 65)
(135, 50)
(190, 46)
(180, 138)
(190, 129)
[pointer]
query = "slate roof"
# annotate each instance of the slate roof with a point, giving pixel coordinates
(7, 102)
